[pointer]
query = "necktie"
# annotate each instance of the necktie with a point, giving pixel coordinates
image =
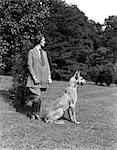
(42, 58)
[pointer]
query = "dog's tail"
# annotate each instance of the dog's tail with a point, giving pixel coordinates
(53, 122)
(45, 118)
(59, 122)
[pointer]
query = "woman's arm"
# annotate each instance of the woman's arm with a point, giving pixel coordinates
(30, 67)
(48, 69)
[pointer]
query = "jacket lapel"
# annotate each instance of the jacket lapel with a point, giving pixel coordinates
(36, 52)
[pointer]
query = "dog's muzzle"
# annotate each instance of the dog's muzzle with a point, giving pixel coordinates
(81, 82)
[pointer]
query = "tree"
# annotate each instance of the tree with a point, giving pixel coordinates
(101, 56)
(71, 38)
(21, 22)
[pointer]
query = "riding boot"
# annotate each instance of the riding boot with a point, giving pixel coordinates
(33, 107)
(33, 111)
(38, 106)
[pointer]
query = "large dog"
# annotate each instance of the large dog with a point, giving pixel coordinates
(66, 102)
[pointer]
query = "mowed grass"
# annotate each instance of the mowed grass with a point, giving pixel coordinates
(96, 110)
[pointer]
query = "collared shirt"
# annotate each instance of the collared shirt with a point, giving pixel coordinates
(38, 50)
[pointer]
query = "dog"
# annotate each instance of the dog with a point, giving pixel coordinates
(66, 102)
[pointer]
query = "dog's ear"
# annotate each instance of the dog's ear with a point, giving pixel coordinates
(78, 73)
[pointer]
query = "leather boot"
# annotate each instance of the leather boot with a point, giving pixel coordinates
(36, 109)
(33, 111)
(38, 106)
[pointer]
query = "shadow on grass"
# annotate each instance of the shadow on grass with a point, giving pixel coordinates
(5, 95)
(21, 108)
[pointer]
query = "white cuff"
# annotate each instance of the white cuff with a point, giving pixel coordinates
(49, 77)
(34, 77)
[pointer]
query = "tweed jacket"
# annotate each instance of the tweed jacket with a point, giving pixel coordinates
(36, 69)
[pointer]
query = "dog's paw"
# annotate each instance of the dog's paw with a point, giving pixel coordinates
(77, 122)
(59, 122)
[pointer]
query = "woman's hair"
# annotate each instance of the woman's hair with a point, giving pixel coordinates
(38, 39)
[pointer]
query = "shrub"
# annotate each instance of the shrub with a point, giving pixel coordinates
(21, 22)
(108, 73)
(94, 72)
(115, 82)
(103, 74)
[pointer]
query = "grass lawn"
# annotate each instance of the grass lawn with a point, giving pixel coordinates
(96, 110)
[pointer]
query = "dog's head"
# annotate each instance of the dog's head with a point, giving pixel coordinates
(79, 79)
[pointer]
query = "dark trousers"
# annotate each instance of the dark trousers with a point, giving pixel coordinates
(36, 104)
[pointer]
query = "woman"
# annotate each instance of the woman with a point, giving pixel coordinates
(39, 74)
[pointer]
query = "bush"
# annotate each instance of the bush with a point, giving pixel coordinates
(94, 72)
(21, 22)
(102, 74)
(115, 82)
(109, 73)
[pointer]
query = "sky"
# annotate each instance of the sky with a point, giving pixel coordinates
(96, 10)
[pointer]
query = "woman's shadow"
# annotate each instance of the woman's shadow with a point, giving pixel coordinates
(19, 107)
(5, 95)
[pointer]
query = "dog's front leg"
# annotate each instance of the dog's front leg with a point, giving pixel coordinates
(73, 115)
(70, 114)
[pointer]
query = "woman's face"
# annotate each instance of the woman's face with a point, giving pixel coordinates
(42, 43)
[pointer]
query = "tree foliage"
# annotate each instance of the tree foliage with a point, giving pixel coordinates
(73, 41)
(21, 22)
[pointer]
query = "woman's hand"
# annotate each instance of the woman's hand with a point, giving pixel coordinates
(49, 80)
(36, 81)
